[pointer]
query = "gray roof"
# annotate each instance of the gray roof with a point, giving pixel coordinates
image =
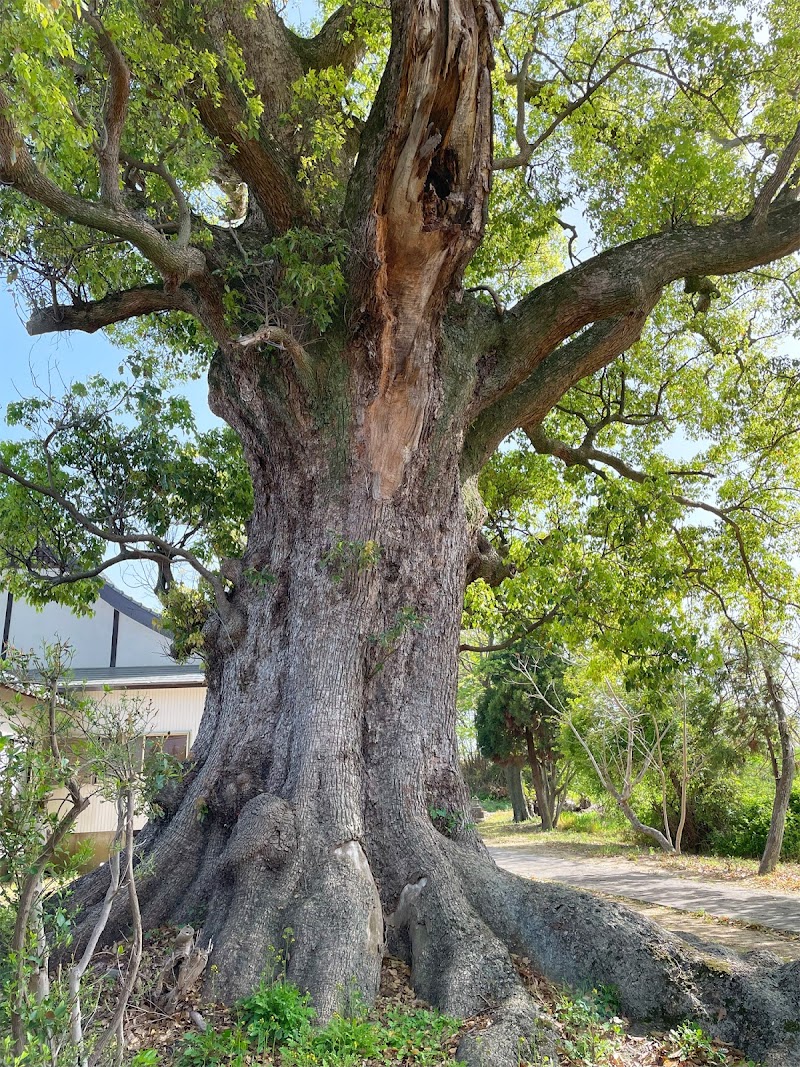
(126, 605)
(170, 676)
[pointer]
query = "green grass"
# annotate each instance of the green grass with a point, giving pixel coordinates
(593, 832)
(493, 804)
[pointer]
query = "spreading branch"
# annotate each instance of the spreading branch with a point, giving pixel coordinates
(608, 287)
(524, 631)
(776, 180)
(136, 545)
(94, 315)
(576, 359)
(17, 169)
(587, 455)
(522, 158)
(184, 212)
(526, 147)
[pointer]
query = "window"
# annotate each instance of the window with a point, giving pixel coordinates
(176, 745)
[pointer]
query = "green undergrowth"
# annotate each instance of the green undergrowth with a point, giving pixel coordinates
(590, 1032)
(275, 1025)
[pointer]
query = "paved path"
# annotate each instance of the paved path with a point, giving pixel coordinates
(778, 911)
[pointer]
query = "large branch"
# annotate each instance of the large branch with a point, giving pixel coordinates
(18, 170)
(269, 179)
(624, 278)
(261, 154)
(528, 404)
(116, 307)
(337, 44)
(114, 111)
(776, 180)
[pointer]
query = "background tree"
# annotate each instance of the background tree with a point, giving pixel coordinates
(760, 681)
(304, 215)
(513, 720)
(784, 767)
(501, 742)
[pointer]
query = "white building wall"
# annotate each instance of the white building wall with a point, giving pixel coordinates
(175, 711)
(89, 636)
(138, 646)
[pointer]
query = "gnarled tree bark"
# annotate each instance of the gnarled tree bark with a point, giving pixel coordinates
(329, 732)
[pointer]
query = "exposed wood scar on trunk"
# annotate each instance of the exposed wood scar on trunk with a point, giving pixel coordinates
(428, 217)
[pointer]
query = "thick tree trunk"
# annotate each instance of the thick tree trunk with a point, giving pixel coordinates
(324, 793)
(327, 742)
(783, 782)
(516, 793)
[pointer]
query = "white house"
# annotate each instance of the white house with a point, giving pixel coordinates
(119, 649)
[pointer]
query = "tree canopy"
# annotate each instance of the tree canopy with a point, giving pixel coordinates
(141, 139)
(391, 239)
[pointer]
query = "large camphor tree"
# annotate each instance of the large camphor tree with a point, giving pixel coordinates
(298, 212)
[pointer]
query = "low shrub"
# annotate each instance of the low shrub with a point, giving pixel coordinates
(745, 828)
(214, 1048)
(276, 1013)
(597, 823)
(492, 804)
(277, 1016)
(590, 1031)
(484, 778)
(343, 1041)
(582, 822)
(417, 1036)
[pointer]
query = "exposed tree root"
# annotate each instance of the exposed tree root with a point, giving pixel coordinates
(574, 937)
(457, 925)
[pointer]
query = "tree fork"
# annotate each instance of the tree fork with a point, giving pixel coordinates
(329, 734)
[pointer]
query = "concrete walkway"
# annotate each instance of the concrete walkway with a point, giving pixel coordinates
(778, 911)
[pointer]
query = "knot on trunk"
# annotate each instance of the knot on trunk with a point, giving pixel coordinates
(230, 795)
(484, 561)
(266, 829)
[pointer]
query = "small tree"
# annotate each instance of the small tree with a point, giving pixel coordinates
(514, 721)
(759, 681)
(500, 742)
(624, 743)
(783, 769)
(57, 744)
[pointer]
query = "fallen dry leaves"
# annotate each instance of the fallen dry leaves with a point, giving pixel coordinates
(150, 1027)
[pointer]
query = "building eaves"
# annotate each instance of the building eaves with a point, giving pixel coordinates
(172, 676)
(126, 605)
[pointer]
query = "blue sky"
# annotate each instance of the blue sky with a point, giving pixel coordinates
(53, 361)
